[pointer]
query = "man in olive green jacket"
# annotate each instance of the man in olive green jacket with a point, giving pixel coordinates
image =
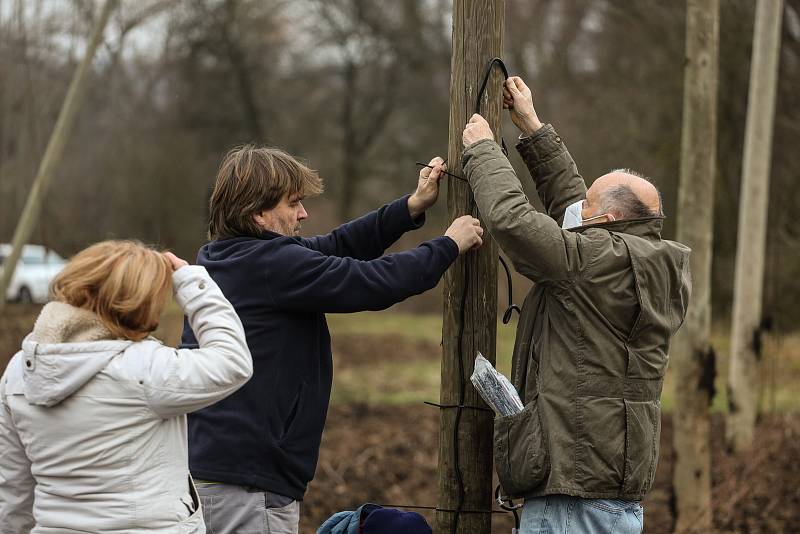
(593, 338)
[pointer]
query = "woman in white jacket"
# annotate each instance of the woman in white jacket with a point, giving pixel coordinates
(92, 409)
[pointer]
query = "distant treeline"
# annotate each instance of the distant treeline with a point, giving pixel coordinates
(359, 89)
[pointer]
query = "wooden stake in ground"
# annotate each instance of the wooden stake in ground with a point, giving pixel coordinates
(743, 370)
(477, 38)
(693, 362)
(55, 149)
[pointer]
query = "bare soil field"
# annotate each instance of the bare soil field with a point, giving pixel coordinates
(388, 455)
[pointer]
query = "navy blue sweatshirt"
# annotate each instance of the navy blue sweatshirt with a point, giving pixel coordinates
(267, 434)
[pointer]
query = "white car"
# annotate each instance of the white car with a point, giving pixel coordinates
(35, 270)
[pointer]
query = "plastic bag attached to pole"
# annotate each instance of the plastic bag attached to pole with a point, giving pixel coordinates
(496, 389)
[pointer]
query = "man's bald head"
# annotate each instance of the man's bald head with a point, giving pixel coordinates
(624, 194)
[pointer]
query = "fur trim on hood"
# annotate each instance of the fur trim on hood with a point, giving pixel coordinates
(67, 348)
(60, 322)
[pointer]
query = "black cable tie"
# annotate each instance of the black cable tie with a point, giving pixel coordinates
(437, 509)
(447, 406)
(471, 511)
(444, 172)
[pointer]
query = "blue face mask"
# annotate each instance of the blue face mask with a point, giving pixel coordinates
(572, 216)
(574, 219)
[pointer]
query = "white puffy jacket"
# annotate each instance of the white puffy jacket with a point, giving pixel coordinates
(93, 430)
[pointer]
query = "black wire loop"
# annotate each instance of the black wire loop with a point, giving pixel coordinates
(492, 62)
(511, 306)
(510, 507)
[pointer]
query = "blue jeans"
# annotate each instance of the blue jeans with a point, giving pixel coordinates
(562, 514)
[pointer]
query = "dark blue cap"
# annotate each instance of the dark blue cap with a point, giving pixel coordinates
(391, 521)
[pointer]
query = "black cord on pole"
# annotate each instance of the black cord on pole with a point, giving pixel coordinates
(462, 319)
(487, 73)
(461, 395)
(459, 509)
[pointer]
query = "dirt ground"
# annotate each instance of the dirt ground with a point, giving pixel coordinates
(388, 454)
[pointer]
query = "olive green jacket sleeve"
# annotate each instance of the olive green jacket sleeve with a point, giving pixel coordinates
(534, 241)
(553, 171)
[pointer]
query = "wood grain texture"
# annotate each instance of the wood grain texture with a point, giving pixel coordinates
(477, 38)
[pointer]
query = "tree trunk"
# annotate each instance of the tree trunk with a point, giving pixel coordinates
(251, 111)
(350, 148)
(745, 356)
(55, 149)
(477, 37)
(693, 362)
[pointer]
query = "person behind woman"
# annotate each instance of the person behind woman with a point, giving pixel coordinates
(93, 409)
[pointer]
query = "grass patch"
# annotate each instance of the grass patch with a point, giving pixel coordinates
(417, 379)
(426, 327)
(399, 382)
(391, 383)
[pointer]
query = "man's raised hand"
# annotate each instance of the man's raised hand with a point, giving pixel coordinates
(518, 100)
(427, 187)
(476, 130)
(466, 231)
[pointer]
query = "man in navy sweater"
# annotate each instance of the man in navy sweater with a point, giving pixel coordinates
(255, 452)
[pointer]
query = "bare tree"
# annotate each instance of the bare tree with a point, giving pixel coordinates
(369, 65)
(743, 371)
(55, 150)
(692, 354)
(251, 111)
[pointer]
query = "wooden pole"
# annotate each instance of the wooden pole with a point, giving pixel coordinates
(55, 149)
(477, 38)
(743, 370)
(693, 362)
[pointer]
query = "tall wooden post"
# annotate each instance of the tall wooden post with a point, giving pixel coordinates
(693, 364)
(54, 151)
(477, 38)
(743, 371)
